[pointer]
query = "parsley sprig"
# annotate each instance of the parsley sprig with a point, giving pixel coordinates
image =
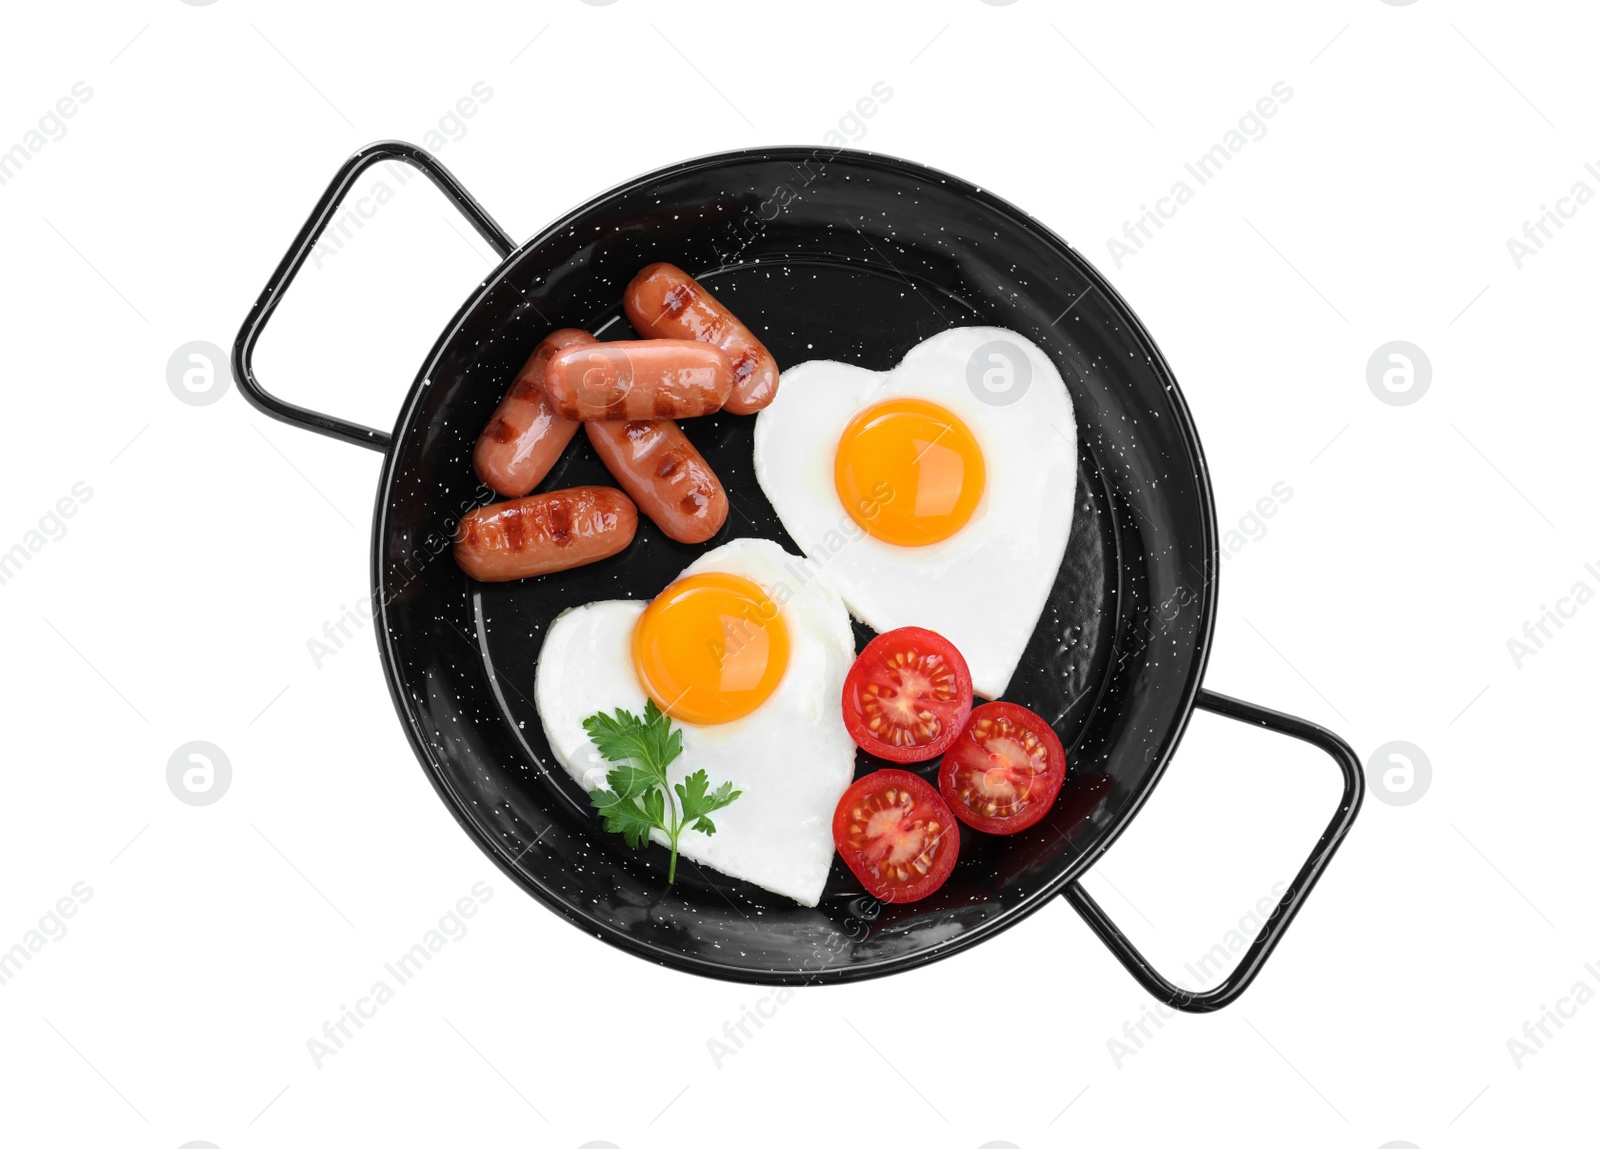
(640, 799)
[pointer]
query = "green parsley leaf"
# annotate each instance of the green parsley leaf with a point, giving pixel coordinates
(630, 780)
(623, 815)
(639, 799)
(651, 742)
(697, 802)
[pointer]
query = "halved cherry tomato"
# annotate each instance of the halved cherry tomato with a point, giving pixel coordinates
(1005, 769)
(896, 834)
(907, 695)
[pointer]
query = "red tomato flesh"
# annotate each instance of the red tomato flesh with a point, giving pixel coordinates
(907, 695)
(897, 836)
(1004, 770)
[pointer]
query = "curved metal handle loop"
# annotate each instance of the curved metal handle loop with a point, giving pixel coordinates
(300, 249)
(1272, 932)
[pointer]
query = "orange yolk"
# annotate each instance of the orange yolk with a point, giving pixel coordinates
(711, 648)
(909, 472)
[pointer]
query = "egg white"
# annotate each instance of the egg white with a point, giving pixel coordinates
(985, 586)
(791, 758)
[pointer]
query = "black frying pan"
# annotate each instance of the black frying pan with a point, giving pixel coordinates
(824, 254)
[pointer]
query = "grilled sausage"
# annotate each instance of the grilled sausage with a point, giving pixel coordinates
(544, 533)
(641, 379)
(664, 302)
(669, 480)
(525, 437)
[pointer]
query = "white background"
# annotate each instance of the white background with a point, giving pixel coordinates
(1418, 540)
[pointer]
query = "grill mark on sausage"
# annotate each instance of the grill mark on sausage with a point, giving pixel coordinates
(502, 432)
(720, 331)
(744, 366)
(695, 501)
(560, 518)
(617, 406)
(663, 404)
(516, 531)
(679, 299)
(670, 463)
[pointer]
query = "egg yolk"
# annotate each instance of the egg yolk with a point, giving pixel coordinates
(909, 472)
(711, 648)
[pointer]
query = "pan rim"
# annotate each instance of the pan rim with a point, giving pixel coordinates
(499, 853)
